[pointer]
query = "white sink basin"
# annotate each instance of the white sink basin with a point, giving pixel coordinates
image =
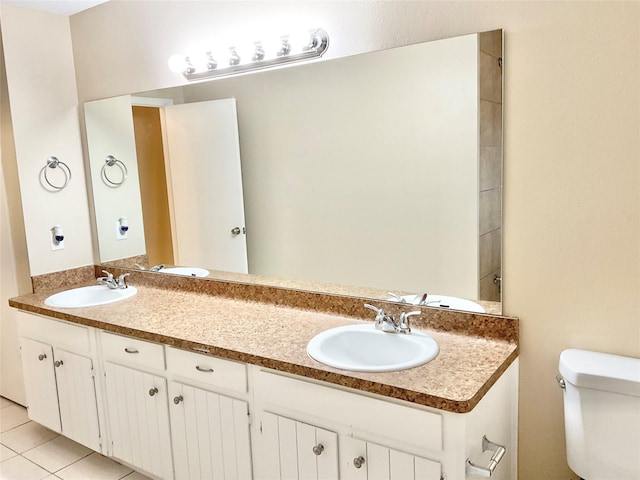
(89, 296)
(363, 348)
(187, 271)
(444, 301)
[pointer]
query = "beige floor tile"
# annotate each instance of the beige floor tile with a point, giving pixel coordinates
(19, 468)
(11, 416)
(6, 453)
(5, 402)
(57, 453)
(51, 477)
(94, 467)
(136, 476)
(26, 436)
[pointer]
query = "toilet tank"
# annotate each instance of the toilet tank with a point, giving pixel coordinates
(602, 414)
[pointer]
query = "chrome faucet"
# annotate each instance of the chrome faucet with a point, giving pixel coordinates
(387, 323)
(155, 268)
(111, 282)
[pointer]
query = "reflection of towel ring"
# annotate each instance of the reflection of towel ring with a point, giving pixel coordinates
(53, 162)
(110, 161)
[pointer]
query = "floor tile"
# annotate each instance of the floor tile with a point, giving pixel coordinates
(57, 453)
(6, 453)
(51, 477)
(94, 467)
(19, 468)
(136, 476)
(5, 402)
(12, 416)
(26, 436)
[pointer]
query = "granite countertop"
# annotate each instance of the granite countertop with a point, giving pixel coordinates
(276, 336)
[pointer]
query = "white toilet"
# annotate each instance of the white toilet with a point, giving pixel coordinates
(601, 414)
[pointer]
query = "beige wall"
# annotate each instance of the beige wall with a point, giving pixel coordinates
(572, 143)
(44, 112)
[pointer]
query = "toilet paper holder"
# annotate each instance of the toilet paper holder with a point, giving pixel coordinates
(499, 451)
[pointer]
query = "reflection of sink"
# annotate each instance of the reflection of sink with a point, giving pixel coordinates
(444, 301)
(89, 296)
(187, 271)
(363, 348)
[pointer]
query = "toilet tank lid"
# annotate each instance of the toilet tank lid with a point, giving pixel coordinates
(602, 371)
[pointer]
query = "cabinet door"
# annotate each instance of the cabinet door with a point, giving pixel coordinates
(362, 460)
(139, 419)
(295, 450)
(77, 397)
(40, 383)
(210, 434)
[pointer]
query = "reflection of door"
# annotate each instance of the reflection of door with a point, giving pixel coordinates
(204, 159)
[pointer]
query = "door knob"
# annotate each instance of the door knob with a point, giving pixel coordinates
(358, 462)
(236, 231)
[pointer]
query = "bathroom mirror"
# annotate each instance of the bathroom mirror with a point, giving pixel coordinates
(360, 175)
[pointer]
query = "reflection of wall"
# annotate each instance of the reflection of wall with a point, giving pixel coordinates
(490, 166)
(362, 175)
(109, 126)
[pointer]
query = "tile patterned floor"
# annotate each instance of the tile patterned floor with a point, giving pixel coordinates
(28, 451)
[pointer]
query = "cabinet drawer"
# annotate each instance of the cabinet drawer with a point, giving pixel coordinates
(132, 351)
(60, 333)
(205, 369)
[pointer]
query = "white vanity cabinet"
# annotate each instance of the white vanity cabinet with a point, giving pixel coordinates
(60, 378)
(296, 450)
(209, 430)
(376, 437)
(137, 403)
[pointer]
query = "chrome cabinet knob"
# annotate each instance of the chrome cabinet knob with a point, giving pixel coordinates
(318, 449)
(358, 461)
(42, 356)
(57, 363)
(235, 231)
(153, 391)
(178, 399)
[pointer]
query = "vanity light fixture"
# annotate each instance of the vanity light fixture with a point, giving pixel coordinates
(238, 58)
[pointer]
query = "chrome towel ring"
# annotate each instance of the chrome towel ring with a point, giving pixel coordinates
(111, 161)
(53, 162)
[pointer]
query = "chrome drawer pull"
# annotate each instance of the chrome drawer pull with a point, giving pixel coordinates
(205, 370)
(131, 350)
(318, 449)
(153, 391)
(358, 462)
(499, 451)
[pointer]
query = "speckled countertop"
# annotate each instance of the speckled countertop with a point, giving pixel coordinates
(472, 356)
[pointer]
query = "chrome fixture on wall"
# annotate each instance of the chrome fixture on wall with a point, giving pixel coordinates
(53, 162)
(111, 161)
(255, 55)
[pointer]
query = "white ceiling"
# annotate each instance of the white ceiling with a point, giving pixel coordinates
(61, 7)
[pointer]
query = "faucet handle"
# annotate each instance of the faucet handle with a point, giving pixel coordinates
(404, 326)
(109, 275)
(378, 311)
(122, 283)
